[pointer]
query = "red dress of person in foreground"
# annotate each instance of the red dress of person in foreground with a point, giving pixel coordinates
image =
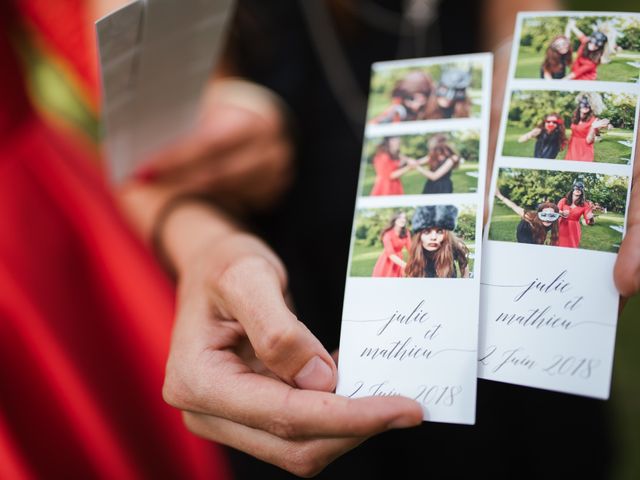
(583, 67)
(85, 313)
(387, 165)
(579, 148)
(384, 166)
(393, 245)
(569, 228)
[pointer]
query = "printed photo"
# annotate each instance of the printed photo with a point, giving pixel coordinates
(580, 48)
(434, 92)
(560, 209)
(422, 164)
(430, 241)
(580, 126)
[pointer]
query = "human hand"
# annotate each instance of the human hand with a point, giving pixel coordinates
(246, 373)
(239, 149)
(627, 267)
(600, 123)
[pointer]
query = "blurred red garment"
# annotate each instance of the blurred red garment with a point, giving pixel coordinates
(85, 313)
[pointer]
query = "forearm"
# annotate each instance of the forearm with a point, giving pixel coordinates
(428, 174)
(192, 228)
(399, 172)
(397, 260)
(528, 136)
(175, 226)
(516, 209)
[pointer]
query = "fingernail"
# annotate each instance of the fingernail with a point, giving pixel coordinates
(315, 375)
(404, 422)
(146, 175)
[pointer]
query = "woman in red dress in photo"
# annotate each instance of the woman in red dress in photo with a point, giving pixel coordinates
(395, 238)
(585, 66)
(573, 206)
(585, 127)
(389, 167)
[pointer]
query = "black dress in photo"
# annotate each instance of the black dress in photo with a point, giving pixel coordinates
(442, 185)
(547, 145)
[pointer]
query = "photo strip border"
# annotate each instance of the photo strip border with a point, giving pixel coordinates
(569, 346)
(428, 348)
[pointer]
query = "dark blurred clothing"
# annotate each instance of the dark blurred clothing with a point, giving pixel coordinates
(520, 432)
(85, 312)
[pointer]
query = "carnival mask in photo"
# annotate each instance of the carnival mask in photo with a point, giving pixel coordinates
(548, 216)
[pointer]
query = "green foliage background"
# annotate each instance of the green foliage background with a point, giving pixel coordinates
(538, 32)
(528, 108)
(528, 188)
(464, 143)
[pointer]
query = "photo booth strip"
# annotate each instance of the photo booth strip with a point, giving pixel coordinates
(549, 312)
(417, 337)
(156, 57)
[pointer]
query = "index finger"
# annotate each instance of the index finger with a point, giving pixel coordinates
(250, 291)
(268, 404)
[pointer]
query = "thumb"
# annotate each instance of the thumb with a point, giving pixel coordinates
(627, 268)
(250, 291)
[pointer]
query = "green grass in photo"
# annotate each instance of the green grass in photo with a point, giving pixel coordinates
(619, 70)
(366, 256)
(464, 178)
(614, 146)
(600, 237)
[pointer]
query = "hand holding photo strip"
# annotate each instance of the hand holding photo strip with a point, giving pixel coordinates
(559, 199)
(410, 318)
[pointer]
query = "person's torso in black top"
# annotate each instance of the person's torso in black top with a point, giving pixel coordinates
(524, 232)
(547, 144)
(558, 75)
(519, 432)
(442, 185)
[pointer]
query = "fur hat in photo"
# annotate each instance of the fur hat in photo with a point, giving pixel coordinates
(439, 216)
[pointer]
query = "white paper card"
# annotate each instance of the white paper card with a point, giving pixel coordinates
(560, 191)
(410, 319)
(156, 57)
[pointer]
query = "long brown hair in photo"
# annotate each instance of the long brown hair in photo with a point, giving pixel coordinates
(554, 61)
(538, 230)
(383, 147)
(438, 147)
(594, 56)
(577, 117)
(442, 260)
(569, 198)
(461, 109)
(392, 223)
(561, 128)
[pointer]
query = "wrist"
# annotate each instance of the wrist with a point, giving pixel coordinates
(187, 228)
